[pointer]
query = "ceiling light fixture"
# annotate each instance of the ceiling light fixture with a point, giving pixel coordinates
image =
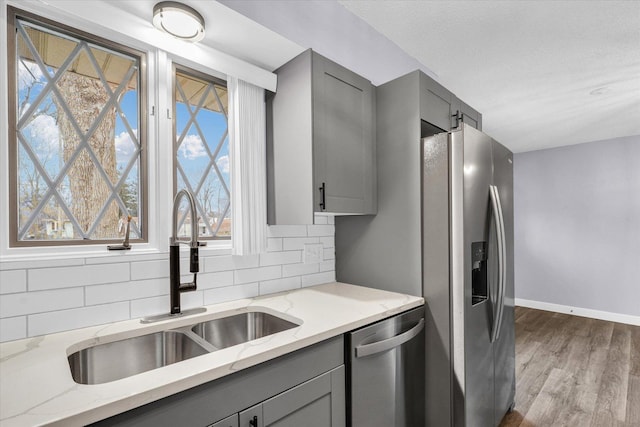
(179, 20)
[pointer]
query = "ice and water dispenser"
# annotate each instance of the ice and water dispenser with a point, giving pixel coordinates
(478, 272)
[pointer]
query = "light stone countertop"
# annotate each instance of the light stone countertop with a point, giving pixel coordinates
(36, 387)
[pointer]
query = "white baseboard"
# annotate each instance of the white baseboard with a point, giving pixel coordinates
(578, 311)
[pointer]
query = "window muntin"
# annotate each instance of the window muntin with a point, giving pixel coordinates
(201, 149)
(76, 135)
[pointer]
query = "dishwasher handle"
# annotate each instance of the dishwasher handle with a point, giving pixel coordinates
(388, 344)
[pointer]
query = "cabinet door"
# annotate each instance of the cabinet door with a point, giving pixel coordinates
(343, 140)
(436, 103)
(467, 114)
(319, 402)
(251, 417)
(232, 421)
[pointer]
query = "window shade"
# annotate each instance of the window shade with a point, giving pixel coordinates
(247, 141)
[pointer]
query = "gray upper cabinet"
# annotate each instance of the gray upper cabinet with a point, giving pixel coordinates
(436, 103)
(321, 142)
(441, 108)
(465, 113)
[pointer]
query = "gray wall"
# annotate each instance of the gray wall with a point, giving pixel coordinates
(577, 225)
(333, 31)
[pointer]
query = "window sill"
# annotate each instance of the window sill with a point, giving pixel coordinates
(68, 256)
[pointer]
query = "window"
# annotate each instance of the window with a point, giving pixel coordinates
(76, 136)
(202, 151)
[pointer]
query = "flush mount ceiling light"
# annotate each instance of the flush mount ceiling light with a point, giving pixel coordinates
(179, 20)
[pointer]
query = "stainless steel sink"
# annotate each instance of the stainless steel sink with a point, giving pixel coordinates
(120, 359)
(240, 328)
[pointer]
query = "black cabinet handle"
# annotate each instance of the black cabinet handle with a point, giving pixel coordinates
(323, 205)
(459, 118)
(254, 421)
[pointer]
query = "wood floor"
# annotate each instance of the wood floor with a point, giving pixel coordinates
(575, 371)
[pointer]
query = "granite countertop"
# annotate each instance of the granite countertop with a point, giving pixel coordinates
(36, 387)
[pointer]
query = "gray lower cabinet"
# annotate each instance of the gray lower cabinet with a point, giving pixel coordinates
(320, 142)
(308, 385)
(231, 421)
(319, 402)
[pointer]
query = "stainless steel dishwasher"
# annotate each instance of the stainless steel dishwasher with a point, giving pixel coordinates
(386, 372)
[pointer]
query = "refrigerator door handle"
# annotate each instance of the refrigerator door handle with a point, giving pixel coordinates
(502, 265)
(388, 344)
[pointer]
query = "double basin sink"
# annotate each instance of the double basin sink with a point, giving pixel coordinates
(115, 360)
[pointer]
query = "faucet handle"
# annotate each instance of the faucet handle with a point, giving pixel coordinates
(194, 263)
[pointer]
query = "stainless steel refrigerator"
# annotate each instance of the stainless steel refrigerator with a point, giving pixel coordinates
(463, 268)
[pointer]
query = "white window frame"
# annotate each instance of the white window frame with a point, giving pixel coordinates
(165, 137)
(159, 146)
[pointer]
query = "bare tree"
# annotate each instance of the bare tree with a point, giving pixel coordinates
(86, 97)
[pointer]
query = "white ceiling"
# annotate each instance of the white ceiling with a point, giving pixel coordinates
(543, 73)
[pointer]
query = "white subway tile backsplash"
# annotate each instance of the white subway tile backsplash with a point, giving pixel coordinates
(257, 274)
(149, 306)
(280, 258)
(279, 285)
(13, 328)
(213, 280)
(319, 278)
(50, 295)
(329, 255)
(331, 219)
(274, 244)
(57, 321)
(327, 265)
(191, 300)
(320, 230)
(127, 256)
(54, 278)
(230, 293)
(37, 302)
(113, 292)
(320, 220)
(297, 243)
(299, 269)
(40, 263)
(161, 305)
(149, 269)
(287, 231)
(229, 262)
(327, 242)
(12, 281)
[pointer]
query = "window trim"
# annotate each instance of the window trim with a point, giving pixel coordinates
(14, 14)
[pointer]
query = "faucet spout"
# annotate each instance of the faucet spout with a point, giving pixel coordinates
(176, 288)
(194, 220)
